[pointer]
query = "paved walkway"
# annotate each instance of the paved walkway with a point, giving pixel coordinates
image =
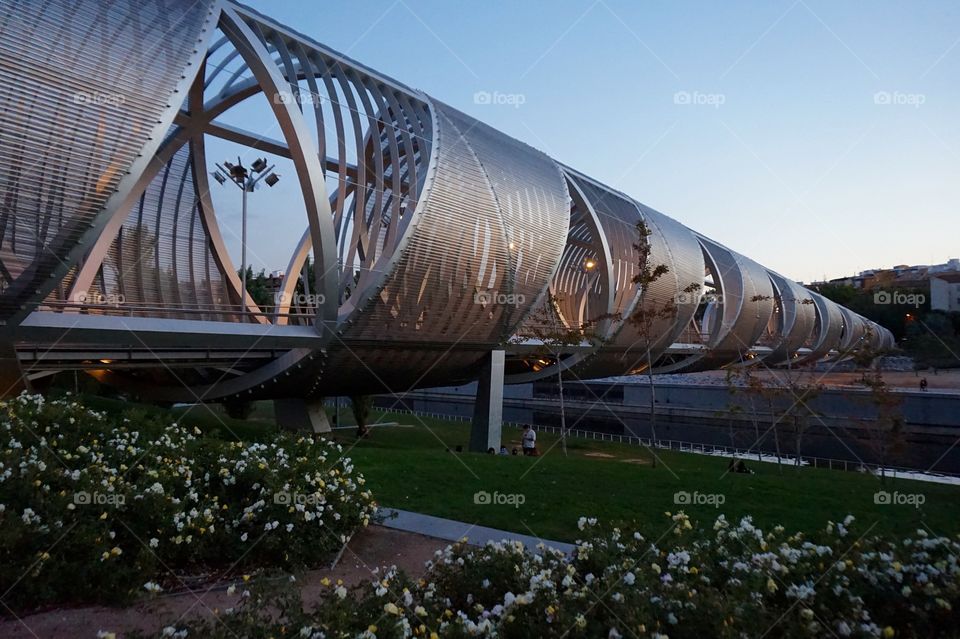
(451, 530)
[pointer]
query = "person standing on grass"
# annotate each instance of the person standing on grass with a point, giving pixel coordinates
(529, 440)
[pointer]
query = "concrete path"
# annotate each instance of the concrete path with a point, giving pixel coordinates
(452, 530)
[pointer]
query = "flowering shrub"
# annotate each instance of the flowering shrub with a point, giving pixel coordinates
(733, 580)
(98, 508)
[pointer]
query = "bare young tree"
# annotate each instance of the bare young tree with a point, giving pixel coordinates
(757, 389)
(885, 434)
(802, 389)
(547, 327)
(647, 315)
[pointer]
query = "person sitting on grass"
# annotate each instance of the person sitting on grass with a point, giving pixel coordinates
(738, 466)
(529, 441)
(503, 450)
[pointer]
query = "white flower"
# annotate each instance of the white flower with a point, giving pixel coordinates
(341, 592)
(152, 587)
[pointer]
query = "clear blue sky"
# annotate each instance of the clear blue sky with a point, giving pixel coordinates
(799, 168)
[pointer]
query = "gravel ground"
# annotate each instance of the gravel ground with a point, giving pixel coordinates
(372, 547)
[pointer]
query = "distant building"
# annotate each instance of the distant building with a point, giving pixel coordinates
(945, 292)
(902, 276)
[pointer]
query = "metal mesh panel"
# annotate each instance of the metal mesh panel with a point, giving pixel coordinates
(79, 96)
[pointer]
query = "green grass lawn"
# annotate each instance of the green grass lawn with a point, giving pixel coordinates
(410, 468)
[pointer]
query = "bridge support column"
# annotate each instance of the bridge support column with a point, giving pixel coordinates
(301, 415)
(12, 380)
(488, 407)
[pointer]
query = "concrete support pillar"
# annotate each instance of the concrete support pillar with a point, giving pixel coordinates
(301, 415)
(12, 380)
(488, 407)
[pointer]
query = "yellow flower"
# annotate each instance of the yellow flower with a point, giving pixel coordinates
(771, 585)
(371, 628)
(888, 632)
(391, 608)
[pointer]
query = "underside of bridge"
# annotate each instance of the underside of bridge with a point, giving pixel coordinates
(429, 239)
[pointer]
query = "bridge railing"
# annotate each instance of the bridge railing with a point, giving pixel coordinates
(219, 312)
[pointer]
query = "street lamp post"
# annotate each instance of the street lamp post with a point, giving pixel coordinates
(247, 181)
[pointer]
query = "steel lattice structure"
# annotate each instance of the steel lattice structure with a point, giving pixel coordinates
(419, 219)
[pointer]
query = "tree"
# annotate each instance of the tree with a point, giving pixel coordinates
(732, 379)
(547, 326)
(803, 391)
(361, 406)
(756, 388)
(647, 313)
(885, 433)
(257, 288)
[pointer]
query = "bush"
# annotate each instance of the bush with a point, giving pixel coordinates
(101, 508)
(731, 581)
